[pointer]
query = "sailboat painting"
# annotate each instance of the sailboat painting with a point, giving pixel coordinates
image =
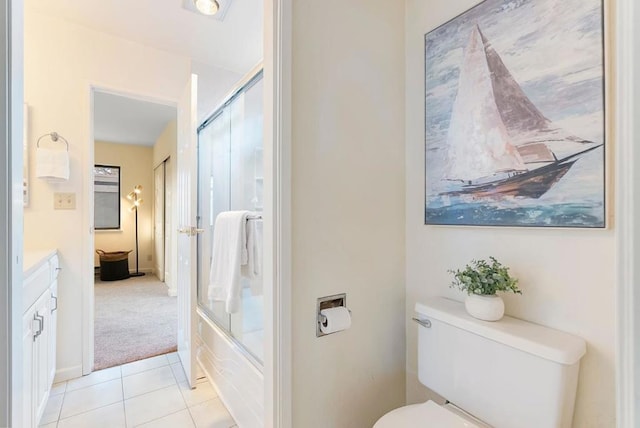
(515, 128)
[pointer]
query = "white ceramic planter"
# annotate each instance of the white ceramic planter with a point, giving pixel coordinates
(486, 308)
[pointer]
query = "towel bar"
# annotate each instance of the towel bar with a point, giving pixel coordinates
(54, 137)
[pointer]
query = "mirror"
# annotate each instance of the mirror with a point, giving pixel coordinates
(106, 188)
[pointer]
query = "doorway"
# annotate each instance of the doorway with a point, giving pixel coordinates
(119, 61)
(131, 296)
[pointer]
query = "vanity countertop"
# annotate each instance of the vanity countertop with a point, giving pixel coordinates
(32, 259)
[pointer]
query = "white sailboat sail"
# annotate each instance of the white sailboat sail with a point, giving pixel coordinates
(522, 119)
(478, 142)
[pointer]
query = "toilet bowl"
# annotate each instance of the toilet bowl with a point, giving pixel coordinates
(428, 415)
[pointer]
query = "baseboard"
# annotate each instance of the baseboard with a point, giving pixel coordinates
(67, 374)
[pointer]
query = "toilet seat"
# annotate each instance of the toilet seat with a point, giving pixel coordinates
(425, 415)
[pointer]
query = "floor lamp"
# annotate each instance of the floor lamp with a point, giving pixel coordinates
(135, 197)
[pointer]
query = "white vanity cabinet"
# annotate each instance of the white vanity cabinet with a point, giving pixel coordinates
(40, 288)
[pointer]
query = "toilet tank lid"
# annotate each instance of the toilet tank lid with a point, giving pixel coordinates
(544, 342)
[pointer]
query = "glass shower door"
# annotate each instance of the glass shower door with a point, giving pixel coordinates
(246, 194)
(214, 186)
(230, 179)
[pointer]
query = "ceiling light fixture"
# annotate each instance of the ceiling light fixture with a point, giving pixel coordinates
(207, 7)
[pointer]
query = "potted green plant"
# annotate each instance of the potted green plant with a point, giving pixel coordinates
(482, 280)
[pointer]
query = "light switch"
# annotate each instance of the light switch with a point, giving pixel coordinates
(64, 201)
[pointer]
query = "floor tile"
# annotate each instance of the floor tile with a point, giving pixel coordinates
(147, 381)
(153, 405)
(58, 388)
(211, 414)
(181, 419)
(203, 392)
(173, 358)
(51, 425)
(143, 365)
(178, 372)
(94, 378)
(52, 410)
(111, 416)
(91, 397)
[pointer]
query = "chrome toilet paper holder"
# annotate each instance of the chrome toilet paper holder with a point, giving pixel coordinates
(335, 301)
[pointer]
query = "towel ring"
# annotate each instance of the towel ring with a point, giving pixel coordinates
(54, 137)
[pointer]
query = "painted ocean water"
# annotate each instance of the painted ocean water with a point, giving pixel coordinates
(569, 203)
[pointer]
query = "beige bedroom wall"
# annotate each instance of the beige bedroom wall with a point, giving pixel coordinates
(166, 144)
(135, 164)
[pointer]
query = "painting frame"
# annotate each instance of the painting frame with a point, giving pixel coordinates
(513, 193)
(107, 191)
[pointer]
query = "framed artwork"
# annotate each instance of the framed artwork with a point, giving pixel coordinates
(514, 116)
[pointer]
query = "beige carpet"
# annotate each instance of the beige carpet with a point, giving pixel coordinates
(134, 319)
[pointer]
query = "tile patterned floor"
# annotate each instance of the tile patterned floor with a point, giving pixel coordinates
(151, 393)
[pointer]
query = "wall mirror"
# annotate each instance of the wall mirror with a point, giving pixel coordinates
(106, 188)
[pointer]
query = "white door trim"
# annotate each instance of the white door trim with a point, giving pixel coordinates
(88, 310)
(11, 211)
(627, 205)
(277, 134)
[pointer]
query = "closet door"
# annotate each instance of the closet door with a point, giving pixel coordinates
(158, 220)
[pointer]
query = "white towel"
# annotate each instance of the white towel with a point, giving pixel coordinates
(228, 255)
(253, 268)
(52, 164)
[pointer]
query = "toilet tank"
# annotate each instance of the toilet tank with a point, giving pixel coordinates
(509, 374)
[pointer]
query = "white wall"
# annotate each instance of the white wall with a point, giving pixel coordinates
(135, 169)
(568, 276)
(214, 84)
(348, 209)
(62, 60)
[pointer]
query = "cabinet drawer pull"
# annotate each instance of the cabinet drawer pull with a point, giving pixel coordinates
(40, 321)
(55, 300)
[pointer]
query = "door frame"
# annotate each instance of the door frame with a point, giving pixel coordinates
(278, 361)
(88, 309)
(11, 210)
(627, 129)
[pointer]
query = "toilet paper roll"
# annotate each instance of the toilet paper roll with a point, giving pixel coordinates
(337, 319)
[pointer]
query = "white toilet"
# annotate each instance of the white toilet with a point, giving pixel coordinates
(507, 374)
